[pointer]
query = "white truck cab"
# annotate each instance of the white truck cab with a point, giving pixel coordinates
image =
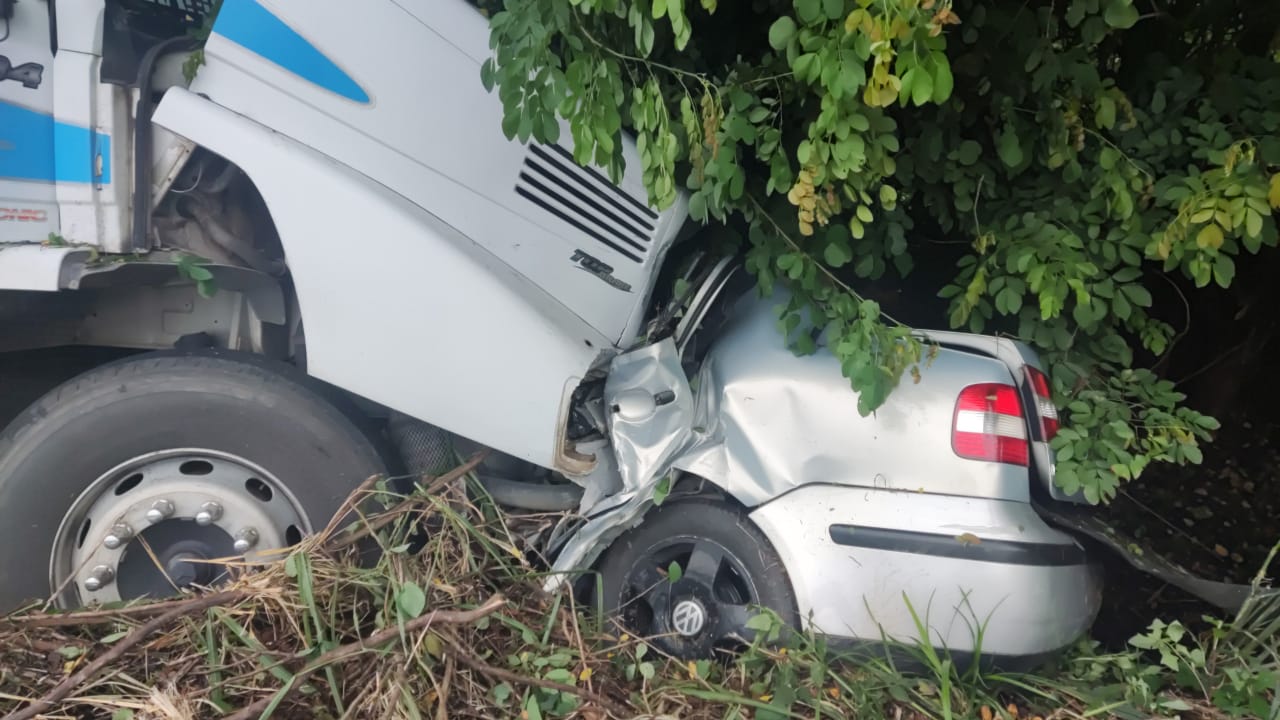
(318, 260)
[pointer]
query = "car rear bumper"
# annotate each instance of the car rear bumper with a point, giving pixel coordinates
(984, 578)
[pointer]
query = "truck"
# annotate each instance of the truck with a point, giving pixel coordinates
(228, 297)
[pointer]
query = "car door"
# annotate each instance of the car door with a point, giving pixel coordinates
(28, 207)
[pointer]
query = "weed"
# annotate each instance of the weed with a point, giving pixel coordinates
(453, 622)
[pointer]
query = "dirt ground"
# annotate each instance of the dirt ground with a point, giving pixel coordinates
(1218, 520)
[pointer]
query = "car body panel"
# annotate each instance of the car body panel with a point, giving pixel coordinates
(769, 421)
(965, 595)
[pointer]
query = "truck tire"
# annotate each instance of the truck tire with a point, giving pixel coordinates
(728, 569)
(187, 458)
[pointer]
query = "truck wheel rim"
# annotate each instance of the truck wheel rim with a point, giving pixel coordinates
(705, 610)
(169, 520)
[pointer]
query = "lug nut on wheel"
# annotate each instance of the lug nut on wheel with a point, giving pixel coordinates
(160, 511)
(100, 577)
(119, 536)
(245, 540)
(209, 514)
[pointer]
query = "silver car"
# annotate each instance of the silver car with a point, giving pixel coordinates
(856, 527)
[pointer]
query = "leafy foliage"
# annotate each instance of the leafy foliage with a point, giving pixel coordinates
(1091, 157)
(1233, 667)
(191, 267)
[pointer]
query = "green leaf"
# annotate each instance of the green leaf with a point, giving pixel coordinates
(760, 623)
(502, 693)
(1127, 275)
(922, 88)
(1010, 148)
(411, 600)
(1120, 14)
(663, 489)
(1009, 300)
(837, 254)
(968, 152)
(1158, 102)
(888, 197)
(1122, 430)
(833, 8)
(532, 711)
(1210, 237)
(659, 8)
(809, 11)
(674, 572)
(550, 128)
(781, 32)
(908, 80)
(1224, 271)
(1105, 113)
(1121, 308)
(1138, 295)
(487, 75)
(1092, 32)
(804, 64)
(1253, 223)
(943, 82)
(805, 152)
(1075, 13)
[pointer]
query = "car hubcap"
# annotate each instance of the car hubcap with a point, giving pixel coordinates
(167, 521)
(705, 609)
(688, 618)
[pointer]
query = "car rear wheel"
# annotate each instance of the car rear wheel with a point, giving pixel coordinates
(691, 577)
(136, 478)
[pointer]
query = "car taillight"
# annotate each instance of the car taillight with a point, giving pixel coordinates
(1044, 399)
(989, 424)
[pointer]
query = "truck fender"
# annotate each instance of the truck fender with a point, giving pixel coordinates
(399, 307)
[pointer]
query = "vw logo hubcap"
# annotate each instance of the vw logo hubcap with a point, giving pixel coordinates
(688, 617)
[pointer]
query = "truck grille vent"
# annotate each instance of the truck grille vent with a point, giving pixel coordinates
(585, 199)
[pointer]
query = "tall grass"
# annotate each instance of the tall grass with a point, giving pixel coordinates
(447, 620)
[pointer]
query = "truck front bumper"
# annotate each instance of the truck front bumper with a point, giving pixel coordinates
(985, 579)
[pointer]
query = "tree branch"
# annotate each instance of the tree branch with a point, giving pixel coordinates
(382, 637)
(91, 671)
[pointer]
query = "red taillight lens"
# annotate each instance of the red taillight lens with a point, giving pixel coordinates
(989, 424)
(1044, 400)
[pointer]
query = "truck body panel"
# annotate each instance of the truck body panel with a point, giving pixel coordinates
(405, 107)
(419, 301)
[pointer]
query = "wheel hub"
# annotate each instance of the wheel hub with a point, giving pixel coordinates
(183, 570)
(688, 617)
(704, 610)
(167, 521)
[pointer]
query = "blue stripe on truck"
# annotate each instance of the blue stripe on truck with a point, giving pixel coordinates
(35, 146)
(249, 24)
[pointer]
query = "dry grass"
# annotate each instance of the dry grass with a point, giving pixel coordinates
(446, 623)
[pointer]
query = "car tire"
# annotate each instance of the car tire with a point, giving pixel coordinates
(238, 413)
(727, 569)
